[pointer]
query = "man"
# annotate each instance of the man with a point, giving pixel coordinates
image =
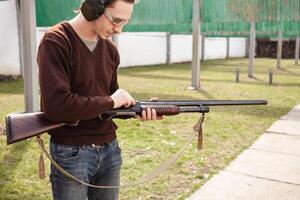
(78, 81)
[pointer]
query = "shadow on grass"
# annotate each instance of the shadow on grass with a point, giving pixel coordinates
(170, 77)
(146, 95)
(227, 61)
(205, 93)
(289, 72)
(154, 76)
(257, 70)
(222, 69)
(259, 81)
(246, 82)
(253, 110)
(292, 66)
(12, 87)
(219, 66)
(10, 161)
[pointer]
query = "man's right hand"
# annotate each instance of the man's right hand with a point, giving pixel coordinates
(122, 98)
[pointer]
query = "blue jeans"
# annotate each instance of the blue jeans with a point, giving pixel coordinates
(98, 165)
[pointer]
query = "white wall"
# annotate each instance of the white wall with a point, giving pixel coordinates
(215, 48)
(9, 40)
(135, 48)
(237, 47)
(181, 48)
(150, 48)
(142, 48)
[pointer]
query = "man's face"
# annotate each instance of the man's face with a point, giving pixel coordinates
(113, 19)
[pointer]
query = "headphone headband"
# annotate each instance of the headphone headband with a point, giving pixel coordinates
(93, 9)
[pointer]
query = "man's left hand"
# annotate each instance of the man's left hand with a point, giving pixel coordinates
(150, 114)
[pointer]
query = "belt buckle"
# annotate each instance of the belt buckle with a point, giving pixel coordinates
(94, 145)
(97, 145)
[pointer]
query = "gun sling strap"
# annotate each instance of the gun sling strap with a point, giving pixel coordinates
(164, 166)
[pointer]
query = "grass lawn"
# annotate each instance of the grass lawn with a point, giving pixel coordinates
(227, 130)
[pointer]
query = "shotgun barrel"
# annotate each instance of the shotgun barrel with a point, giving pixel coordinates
(167, 107)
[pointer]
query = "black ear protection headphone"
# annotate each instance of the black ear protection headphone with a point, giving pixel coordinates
(93, 9)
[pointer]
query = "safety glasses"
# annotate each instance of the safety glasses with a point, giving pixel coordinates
(116, 21)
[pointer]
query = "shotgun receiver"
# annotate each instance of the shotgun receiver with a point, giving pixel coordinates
(22, 126)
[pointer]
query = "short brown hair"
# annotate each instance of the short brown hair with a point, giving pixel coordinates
(110, 2)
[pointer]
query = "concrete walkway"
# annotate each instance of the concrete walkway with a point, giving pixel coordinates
(269, 169)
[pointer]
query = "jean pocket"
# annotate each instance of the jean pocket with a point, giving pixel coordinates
(65, 152)
(116, 146)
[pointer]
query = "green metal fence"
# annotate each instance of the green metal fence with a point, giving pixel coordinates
(219, 17)
(162, 15)
(149, 15)
(232, 17)
(50, 12)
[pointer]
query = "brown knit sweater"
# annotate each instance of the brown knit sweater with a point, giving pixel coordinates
(76, 84)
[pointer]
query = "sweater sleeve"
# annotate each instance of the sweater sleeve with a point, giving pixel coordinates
(114, 85)
(58, 101)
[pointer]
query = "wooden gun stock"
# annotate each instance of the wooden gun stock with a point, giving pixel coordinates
(22, 126)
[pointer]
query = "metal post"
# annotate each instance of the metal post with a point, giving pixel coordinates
(279, 49)
(297, 51)
(237, 75)
(251, 49)
(270, 76)
(227, 47)
(196, 51)
(168, 35)
(28, 34)
(202, 39)
(18, 9)
(247, 47)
